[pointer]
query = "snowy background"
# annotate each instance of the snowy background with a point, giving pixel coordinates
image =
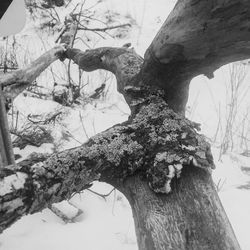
(221, 105)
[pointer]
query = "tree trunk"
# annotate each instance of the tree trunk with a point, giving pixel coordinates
(190, 218)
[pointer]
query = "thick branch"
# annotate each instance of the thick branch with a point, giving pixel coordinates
(123, 62)
(198, 37)
(155, 141)
(30, 187)
(15, 82)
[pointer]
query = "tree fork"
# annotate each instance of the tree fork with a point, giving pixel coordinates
(191, 216)
(197, 38)
(155, 140)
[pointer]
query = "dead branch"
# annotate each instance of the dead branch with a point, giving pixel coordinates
(123, 62)
(15, 82)
(104, 196)
(105, 28)
(50, 118)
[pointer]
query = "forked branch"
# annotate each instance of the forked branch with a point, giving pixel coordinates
(197, 38)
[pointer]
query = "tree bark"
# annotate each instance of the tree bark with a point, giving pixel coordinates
(155, 141)
(197, 38)
(189, 218)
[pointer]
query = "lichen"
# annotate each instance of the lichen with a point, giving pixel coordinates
(114, 145)
(162, 173)
(172, 141)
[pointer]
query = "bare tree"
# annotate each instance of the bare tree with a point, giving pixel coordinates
(156, 158)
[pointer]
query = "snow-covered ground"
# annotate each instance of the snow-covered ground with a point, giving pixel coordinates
(108, 224)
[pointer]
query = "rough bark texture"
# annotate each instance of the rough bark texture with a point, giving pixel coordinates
(155, 141)
(197, 38)
(123, 62)
(189, 218)
(155, 144)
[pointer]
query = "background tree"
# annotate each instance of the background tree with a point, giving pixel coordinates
(157, 151)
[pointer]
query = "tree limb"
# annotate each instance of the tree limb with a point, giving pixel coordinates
(197, 38)
(15, 82)
(123, 62)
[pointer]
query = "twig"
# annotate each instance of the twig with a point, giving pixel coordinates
(47, 120)
(101, 195)
(73, 31)
(83, 125)
(79, 38)
(113, 206)
(94, 19)
(60, 34)
(8, 67)
(106, 28)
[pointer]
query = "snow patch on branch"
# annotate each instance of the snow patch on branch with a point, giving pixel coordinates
(12, 182)
(12, 205)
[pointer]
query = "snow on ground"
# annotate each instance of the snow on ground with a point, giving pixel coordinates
(230, 181)
(108, 224)
(103, 225)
